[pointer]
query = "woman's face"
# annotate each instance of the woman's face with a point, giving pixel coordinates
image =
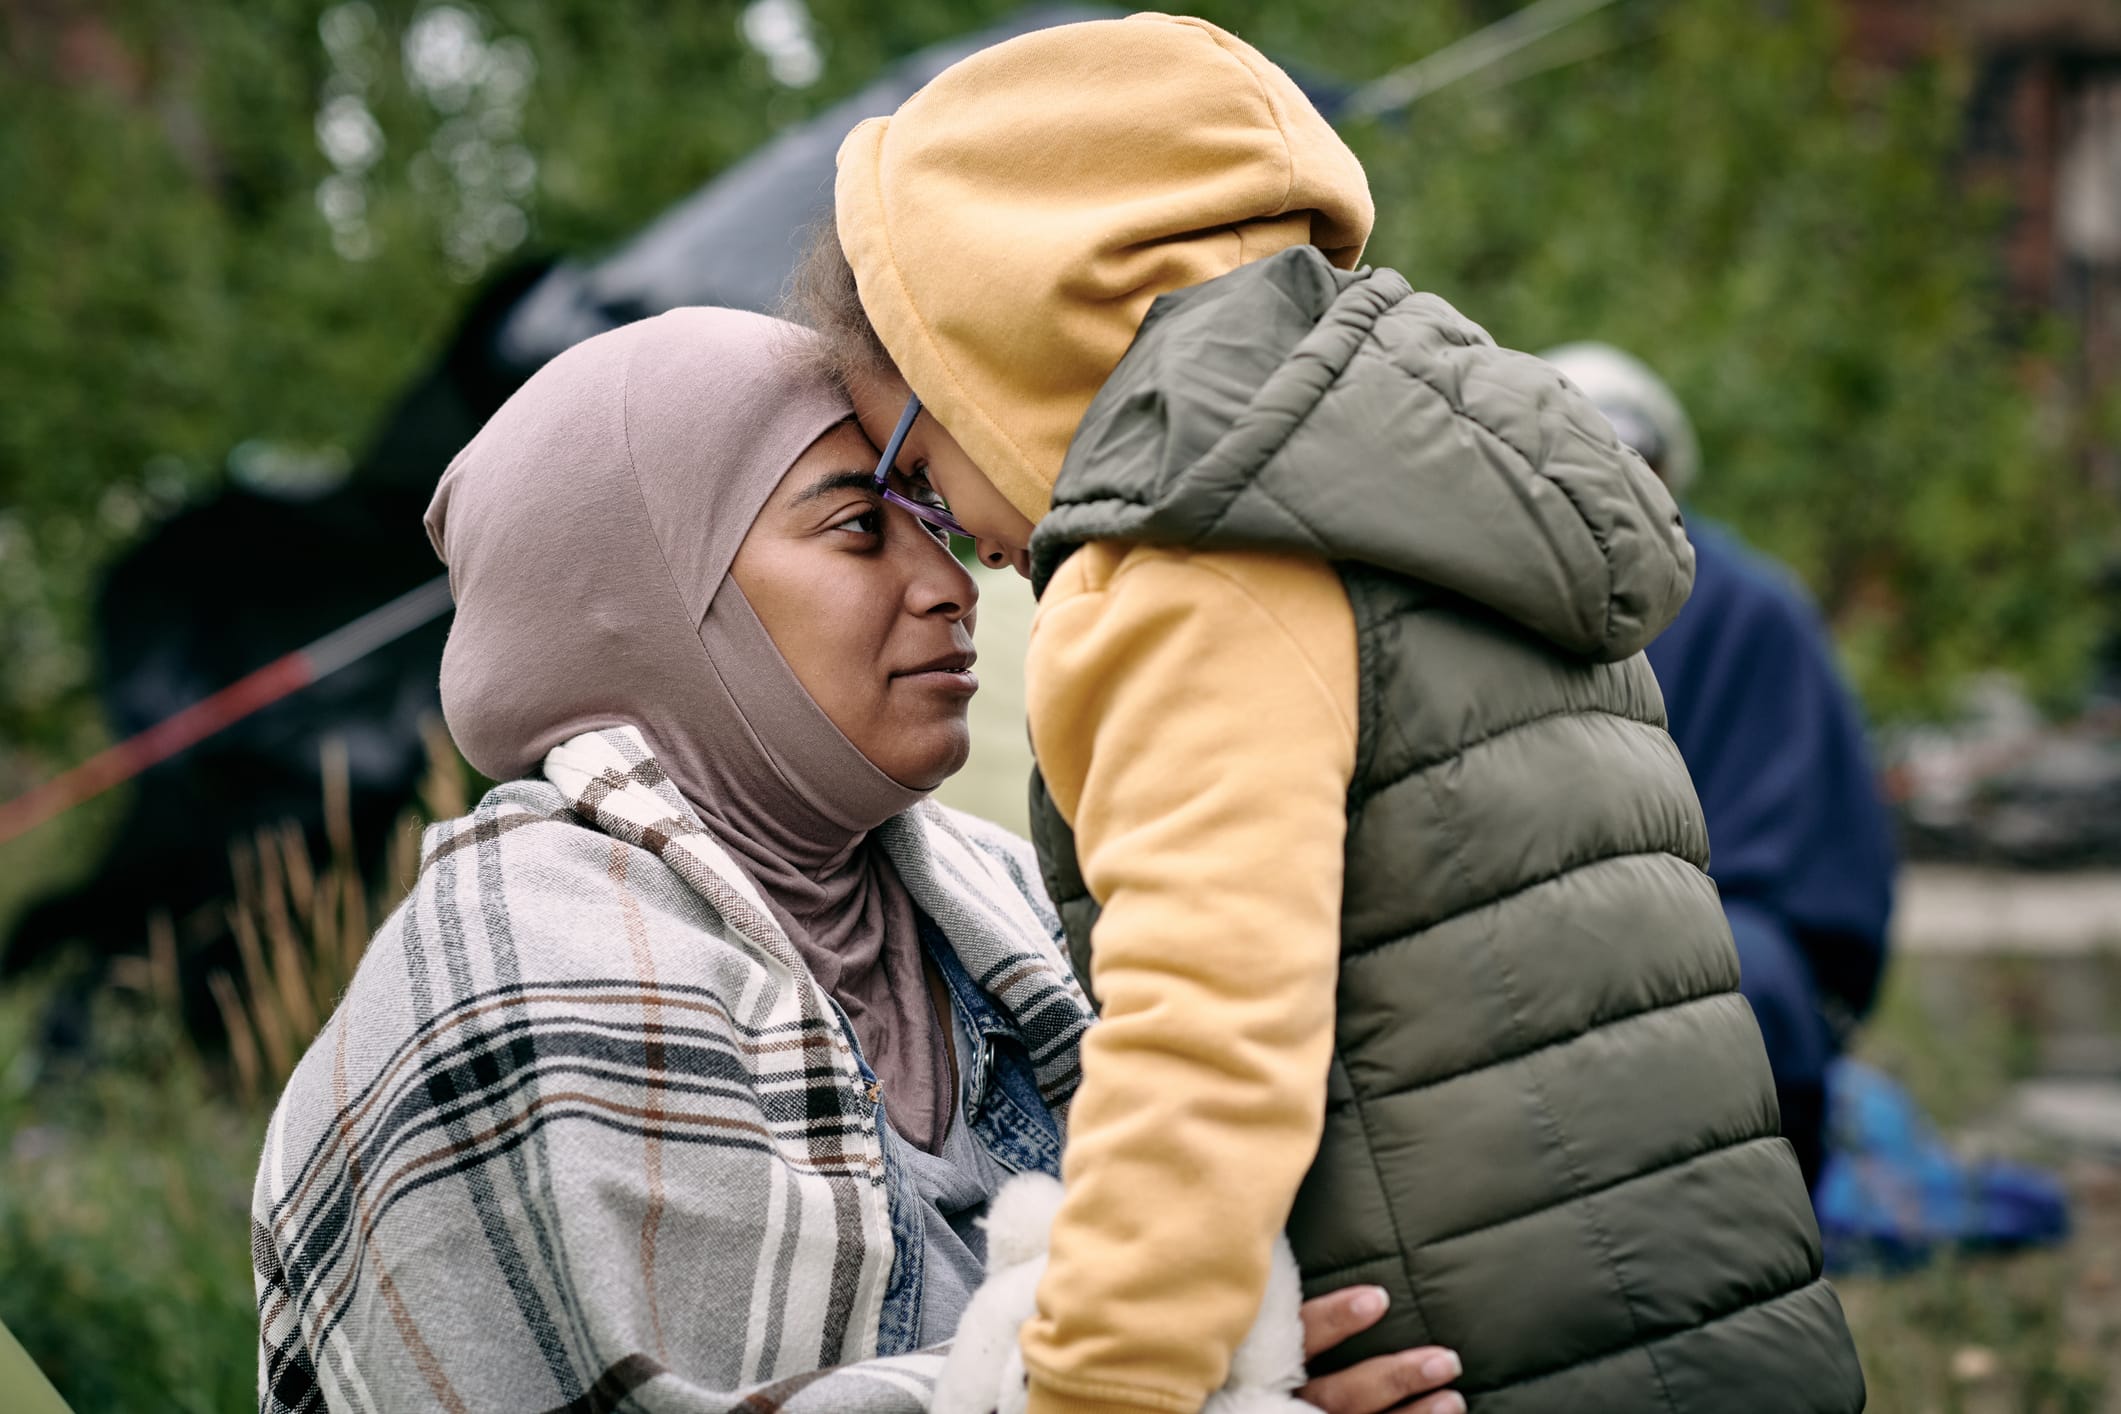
(869, 609)
(1002, 532)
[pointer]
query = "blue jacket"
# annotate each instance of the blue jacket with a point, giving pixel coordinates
(1775, 743)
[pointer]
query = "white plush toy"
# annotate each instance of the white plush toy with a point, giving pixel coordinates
(985, 1371)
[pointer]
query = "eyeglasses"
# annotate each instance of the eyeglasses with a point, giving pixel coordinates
(934, 515)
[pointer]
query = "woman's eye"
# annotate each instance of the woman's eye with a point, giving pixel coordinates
(869, 522)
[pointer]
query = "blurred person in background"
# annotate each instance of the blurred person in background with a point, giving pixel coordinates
(1800, 844)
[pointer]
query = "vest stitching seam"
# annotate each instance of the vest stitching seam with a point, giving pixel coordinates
(1369, 694)
(1724, 1147)
(1366, 713)
(1370, 697)
(1559, 1041)
(1402, 1257)
(1576, 1177)
(1688, 1329)
(1377, 1171)
(1458, 410)
(1459, 749)
(1398, 939)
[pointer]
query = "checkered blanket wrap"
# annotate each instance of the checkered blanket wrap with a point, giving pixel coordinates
(584, 1134)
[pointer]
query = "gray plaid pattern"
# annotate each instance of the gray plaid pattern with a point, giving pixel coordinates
(585, 1135)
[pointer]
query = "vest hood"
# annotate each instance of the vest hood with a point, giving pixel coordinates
(1292, 406)
(1009, 226)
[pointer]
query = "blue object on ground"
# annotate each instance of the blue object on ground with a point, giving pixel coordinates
(1893, 1194)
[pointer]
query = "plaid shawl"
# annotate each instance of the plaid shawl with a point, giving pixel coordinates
(584, 1132)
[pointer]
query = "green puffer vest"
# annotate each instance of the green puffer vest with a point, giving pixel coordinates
(1550, 1131)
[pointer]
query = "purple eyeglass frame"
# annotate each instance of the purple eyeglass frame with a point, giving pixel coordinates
(934, 515)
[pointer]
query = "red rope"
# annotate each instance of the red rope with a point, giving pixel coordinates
(158, 743)
(347, 644)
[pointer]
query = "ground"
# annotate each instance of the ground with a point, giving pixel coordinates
(2011, 1334)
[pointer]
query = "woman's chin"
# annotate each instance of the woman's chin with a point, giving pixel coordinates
(932, 757)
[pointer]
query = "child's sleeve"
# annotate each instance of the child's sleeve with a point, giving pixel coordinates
(1194, 714)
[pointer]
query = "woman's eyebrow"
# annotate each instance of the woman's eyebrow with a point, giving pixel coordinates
(835, 481)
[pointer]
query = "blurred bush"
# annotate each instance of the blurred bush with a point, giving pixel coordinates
(301, 925)
(1786, 236)
(235, 231)
(126, 1167)
(124, 1202)
(250, 224)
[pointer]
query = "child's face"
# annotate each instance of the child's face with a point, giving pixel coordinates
(1002, 532)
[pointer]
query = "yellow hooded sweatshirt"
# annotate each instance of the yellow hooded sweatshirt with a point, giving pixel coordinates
(1194, 714)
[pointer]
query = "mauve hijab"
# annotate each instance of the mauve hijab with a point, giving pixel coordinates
(589, 529)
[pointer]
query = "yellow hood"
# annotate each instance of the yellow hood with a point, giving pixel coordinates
(1010, 225)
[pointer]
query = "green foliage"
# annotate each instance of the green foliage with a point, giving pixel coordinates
(1786, 238)
(1710, 186)
(124, 1200)
(172, 288)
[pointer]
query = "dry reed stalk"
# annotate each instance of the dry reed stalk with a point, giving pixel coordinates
(350, 926)
(314, 906)
(242, 1037)
(402, 868)
(162, 959)
(291, 974)
(258, 988)
(301, 874)
(301, 926)
(153, 976)
(442, 792)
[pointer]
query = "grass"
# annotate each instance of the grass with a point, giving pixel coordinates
(124, 1198)
(125, 1174)
(2033, 1333)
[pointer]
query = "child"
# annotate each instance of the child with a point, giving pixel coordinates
(1353, 783)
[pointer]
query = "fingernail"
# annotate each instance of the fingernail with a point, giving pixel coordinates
(1451, 1404)
(1370, 1301)
(1442, 1367)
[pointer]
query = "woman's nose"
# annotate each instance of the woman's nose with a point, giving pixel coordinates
(950, 592)
(938, 584)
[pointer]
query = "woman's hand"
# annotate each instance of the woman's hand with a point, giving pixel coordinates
(1384, 1382)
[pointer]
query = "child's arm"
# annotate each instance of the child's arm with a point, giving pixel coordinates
(1195, 717)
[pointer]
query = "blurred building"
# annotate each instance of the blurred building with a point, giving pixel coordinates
(2044, 131)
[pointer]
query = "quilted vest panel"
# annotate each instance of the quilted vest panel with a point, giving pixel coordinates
(1551, 1130)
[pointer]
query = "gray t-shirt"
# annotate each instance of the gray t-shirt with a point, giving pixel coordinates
(953, 1188)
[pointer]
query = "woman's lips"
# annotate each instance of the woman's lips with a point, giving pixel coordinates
(952, 672)
(961, 680)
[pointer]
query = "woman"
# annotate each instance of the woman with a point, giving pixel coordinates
(698, 1047)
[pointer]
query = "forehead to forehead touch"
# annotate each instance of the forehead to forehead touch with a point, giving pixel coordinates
(588, 527)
